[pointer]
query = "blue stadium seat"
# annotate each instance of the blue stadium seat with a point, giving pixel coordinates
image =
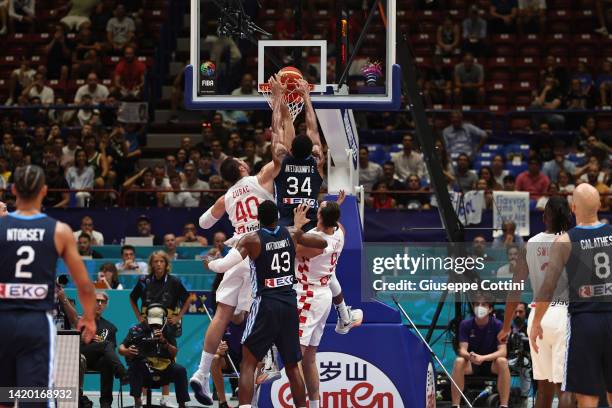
(478, 164)
(578, 158)
(516, 169)
(485, 156)
(493, 148)
(517, 148)
(396, 148)
(378, 153)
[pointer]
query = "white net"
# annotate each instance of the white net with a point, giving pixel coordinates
(291, 98)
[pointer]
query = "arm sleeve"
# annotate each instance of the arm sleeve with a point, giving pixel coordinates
(232, 258)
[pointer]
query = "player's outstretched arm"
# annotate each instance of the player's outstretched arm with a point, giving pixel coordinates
(312, 128)
(67, 248)
(279, 150)
(213, 214)
(248, 245)
(520, 273)
(301, 238)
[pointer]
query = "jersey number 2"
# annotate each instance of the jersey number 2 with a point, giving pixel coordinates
(29, 258)
(292, 188)
(276, 262)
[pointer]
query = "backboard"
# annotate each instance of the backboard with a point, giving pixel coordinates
(347, 71)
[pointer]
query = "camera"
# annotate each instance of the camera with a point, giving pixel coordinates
(518, 351)
(62, 280)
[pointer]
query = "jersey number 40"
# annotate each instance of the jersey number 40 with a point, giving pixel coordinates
(247, 210)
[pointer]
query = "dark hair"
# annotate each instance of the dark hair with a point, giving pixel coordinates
(330, 214)
(85, 235)
(29, 180)
(128, 247)
(508, 178)
(267, 213)
(230, 170)
(482, 297)
(110, 267)
(301, 147)
(558, 214)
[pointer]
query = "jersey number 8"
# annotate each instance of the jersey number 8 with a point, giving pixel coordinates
(602, 265)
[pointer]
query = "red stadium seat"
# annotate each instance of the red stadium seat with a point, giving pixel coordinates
(584, 20)
(559, 4)
(559, 21)
(500, 69)
(527, 68)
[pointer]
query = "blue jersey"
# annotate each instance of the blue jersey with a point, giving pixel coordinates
(28, 259)
(273, 272)
(298, 182)
(589, 269)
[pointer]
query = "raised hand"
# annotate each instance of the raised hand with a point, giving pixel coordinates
(303, 89)
(278, 89)
(299, 216)
(341, 197)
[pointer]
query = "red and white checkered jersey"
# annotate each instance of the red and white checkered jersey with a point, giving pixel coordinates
(319, 270)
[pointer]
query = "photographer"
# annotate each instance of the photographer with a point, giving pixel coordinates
(160, 287)
(150, 351)
(100, 354)
(518, 348)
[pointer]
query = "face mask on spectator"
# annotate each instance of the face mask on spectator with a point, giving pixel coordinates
(481, 311)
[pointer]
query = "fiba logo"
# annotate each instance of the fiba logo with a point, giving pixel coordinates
(208, 69)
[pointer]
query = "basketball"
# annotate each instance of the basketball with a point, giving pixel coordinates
(290, 76)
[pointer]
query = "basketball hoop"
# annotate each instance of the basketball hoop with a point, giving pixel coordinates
(293, 100)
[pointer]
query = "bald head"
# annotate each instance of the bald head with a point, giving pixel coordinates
(585, 203)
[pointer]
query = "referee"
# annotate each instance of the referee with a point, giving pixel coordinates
(585, 251)
(30, 243)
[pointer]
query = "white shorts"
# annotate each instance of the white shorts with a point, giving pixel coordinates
(235, 288)
(314, 305)
(549, 361)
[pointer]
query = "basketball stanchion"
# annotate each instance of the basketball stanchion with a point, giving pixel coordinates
(403, 312)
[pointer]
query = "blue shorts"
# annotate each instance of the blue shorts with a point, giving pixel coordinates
(588, 368)
(26, 350)
(273, 321)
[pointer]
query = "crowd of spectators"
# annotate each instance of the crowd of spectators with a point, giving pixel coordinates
(550, 166)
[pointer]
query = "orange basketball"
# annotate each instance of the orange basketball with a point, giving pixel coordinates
(290, 76)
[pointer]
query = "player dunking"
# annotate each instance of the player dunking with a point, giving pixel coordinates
(30, 243)
(315, 269)
(241, 203)
(585, 252)
(548, 363)
(299, 181)
(273, 318)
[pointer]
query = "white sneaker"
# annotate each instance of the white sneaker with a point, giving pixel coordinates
(356, 319)
(602, 31)
(269, 372)
(165, 403)
(200, 385)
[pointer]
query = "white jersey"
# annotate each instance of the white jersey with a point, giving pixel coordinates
(241, 203)
(319, 270)
(538, 253)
